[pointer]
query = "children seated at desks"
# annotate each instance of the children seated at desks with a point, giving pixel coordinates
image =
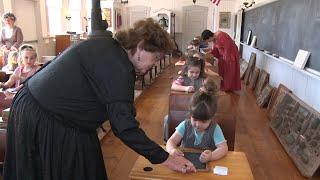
(12, 61)
(191, 77)
(26, 68)
(200, 131)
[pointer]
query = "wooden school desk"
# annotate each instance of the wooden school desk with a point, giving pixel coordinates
(236, 162)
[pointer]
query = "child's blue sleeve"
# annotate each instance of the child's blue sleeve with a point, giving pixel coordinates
(218, 135)
(181, 128)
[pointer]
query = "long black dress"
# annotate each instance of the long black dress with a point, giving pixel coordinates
(53, 121)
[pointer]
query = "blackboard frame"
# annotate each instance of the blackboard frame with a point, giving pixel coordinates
(270, 22)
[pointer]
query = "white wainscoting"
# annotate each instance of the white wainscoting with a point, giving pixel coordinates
(304, 84)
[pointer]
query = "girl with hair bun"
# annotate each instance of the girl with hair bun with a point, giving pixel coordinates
(200, 131)
(191, 77)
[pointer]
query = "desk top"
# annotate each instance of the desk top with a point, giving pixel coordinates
(236, 162)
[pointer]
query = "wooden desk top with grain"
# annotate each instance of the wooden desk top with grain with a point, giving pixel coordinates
(236, 162)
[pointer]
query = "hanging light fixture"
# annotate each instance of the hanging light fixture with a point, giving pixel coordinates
(194, 1)
(248, 3)
(124, 1)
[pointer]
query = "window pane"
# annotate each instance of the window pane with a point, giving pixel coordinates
(75, 4)
(54, 15)
(75, 21)
(54, 3)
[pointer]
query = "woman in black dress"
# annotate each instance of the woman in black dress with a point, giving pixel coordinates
(53, 119)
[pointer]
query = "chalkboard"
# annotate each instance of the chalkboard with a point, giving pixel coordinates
(194, 157)
(285, 26)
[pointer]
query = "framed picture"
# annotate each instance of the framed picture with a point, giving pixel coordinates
(106, 15)
(265, 95)
(224, 20)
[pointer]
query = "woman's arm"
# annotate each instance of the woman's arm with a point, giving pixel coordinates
(3, 44)
(19, 39)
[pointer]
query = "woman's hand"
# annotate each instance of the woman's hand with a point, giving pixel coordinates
(180, 164)
(189, 89)
(205, 156)
(176, 152)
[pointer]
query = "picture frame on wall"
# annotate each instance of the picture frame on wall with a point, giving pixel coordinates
(224, 20)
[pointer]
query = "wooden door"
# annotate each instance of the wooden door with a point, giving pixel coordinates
(136, 13)
(194, 22)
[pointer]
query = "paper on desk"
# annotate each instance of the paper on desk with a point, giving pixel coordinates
(220, 170)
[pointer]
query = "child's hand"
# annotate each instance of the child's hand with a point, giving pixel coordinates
(176, 152)
(8, 95)
(205, 156)
(189, 89)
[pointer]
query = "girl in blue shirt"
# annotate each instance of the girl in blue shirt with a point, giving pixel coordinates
(200, 131)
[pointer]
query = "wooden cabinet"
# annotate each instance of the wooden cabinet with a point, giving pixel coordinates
(65, 40)
(62, 42)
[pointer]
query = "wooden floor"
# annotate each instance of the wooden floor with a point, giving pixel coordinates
(267, 158)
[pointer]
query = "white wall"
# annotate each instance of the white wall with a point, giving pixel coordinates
(226, 6)
(176, 7)
(26, 21)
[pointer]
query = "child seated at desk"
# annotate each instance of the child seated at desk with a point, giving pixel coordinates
(191, 77)
(26, 68)
(200, 131)
(12, 61)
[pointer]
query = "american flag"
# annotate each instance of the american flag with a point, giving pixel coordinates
(216, 2)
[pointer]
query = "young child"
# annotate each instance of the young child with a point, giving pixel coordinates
(12, 61)
(191, 77)
(200, 131)
(27, 68)
(209, 86)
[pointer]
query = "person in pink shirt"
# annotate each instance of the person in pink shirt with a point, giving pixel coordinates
(226, 51)
(26, 68)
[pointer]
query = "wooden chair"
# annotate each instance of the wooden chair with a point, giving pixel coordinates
(3, 76)
(178, 110)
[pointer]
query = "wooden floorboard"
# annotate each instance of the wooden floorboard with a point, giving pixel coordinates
(267, 158)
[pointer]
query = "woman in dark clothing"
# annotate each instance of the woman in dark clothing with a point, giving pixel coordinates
(11, 36)
(51, 129)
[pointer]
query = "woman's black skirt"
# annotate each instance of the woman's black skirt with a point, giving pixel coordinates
(39, 147)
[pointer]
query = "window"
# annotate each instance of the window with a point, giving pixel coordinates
(54, 9)
(75, 12)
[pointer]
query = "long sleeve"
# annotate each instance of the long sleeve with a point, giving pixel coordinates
(19, 38)
(126, 127)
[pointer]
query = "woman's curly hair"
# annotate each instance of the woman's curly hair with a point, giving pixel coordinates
(155, 39)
